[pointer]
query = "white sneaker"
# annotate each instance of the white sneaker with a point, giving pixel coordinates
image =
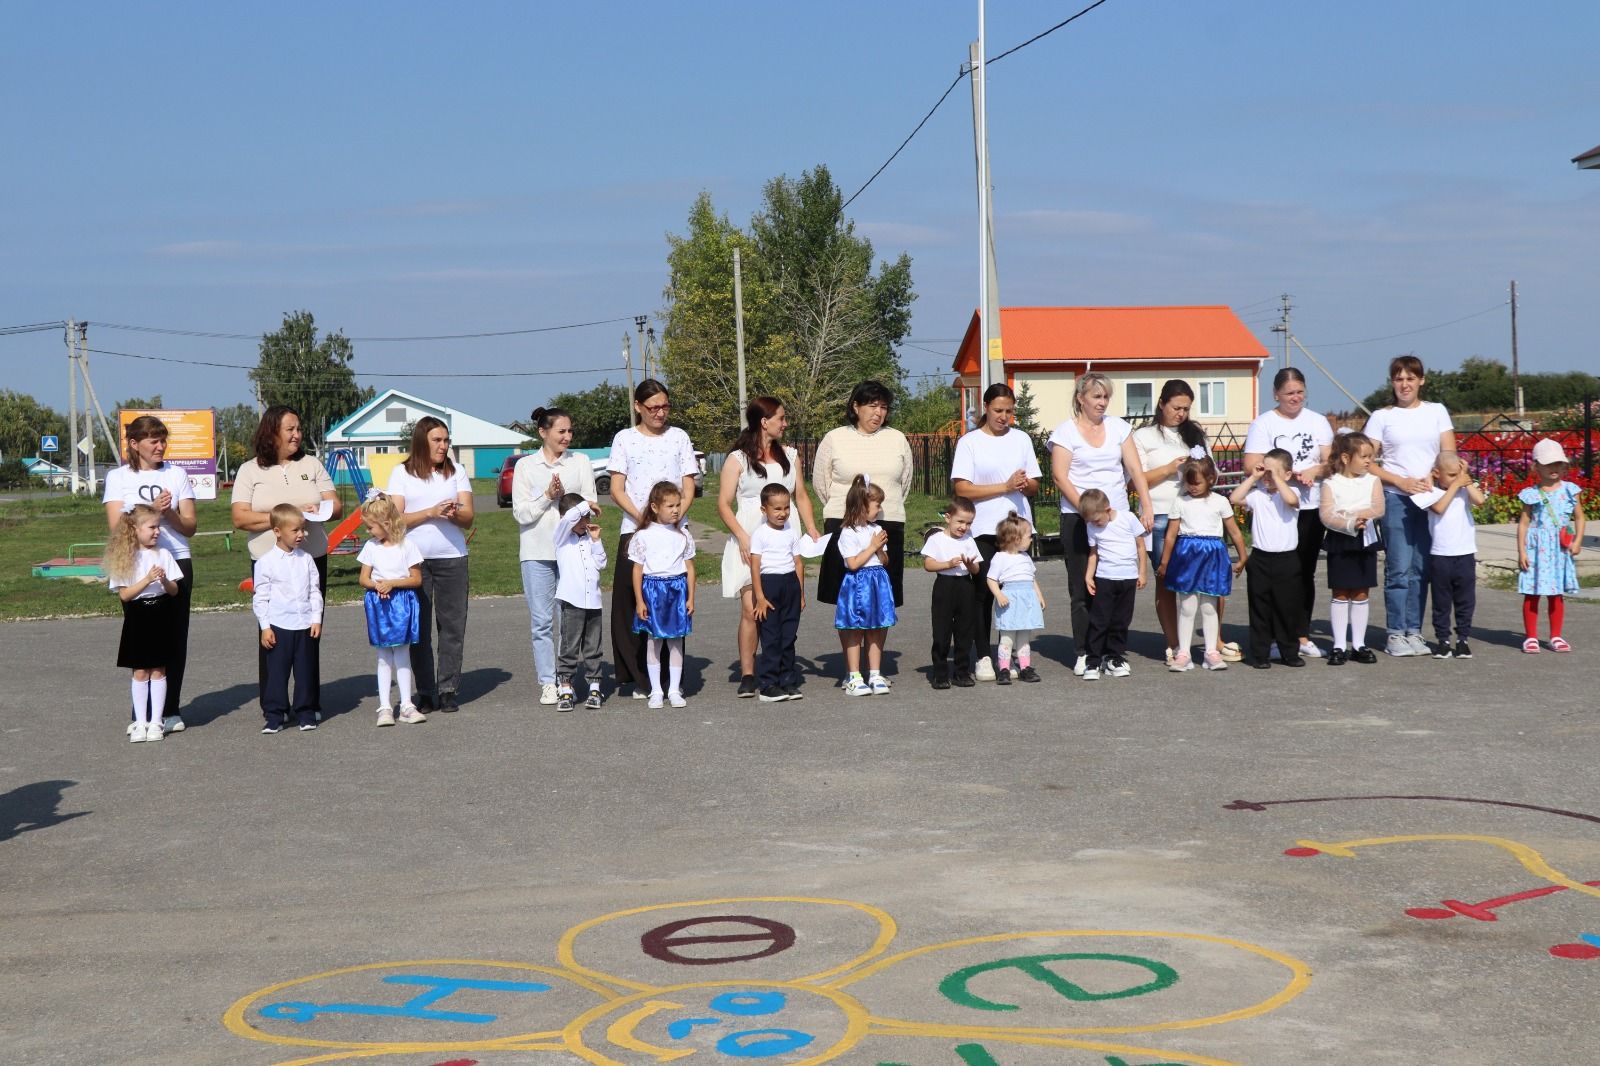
(854, 686)
(135, 733)
(655, 701)
(879, 685)
(152, 732)
(1419, 646)
(1091, 673)
(1079, 666)
(386, 716)
(1398, 646)
(985, 670)
(1309, 650)
(1119, 668)
(676, 699)
(547, 694)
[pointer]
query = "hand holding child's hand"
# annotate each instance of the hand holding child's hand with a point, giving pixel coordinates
(269, 639)
(1238, 568)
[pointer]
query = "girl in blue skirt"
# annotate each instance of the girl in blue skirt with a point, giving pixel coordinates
(662, 552)
(391, 571)
(1194, 560)
(866, 598)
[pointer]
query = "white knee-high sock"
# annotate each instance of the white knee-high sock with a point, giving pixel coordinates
(1339, 618)
(403, 675)
(385, 674)
(141, 702)
(652, 662)
(1210, 624)
(158, 699)
(1358, 622)
(675, 665)
(1188, 608)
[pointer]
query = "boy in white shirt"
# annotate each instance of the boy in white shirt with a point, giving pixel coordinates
(1275, 592)
(288, 607)
(780, 595)
(580, 560)
(1114, 574)
(953, 555)
(1453, 556)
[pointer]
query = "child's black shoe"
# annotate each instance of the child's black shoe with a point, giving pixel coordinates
(941, 682)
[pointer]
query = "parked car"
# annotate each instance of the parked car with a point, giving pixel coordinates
(600, 458)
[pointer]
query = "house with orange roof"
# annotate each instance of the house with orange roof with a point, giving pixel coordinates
(1139, 348)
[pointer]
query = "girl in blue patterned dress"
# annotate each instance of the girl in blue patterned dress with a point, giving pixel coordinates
(1194, 561)
(391, 572)
(1549, 538)
(866, 598)
(1019, 605)
(662, 552)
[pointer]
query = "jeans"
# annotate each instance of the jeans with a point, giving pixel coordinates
(1406, 542)
(539, 589)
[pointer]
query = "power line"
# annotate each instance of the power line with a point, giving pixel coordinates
(359, 374)
(434, 337)
(951, 88)
(35, 327)
(1412, 332)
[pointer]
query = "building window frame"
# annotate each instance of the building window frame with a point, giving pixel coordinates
(1128, 410)
(1211, 398)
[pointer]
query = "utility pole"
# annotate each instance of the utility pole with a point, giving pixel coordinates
(738, 331)
(627, 361)
(991, 355)
(1516, 382)
(644, 353)
(1283, 327)
(72, 404)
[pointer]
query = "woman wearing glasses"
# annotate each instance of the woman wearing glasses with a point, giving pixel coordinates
(641, 456)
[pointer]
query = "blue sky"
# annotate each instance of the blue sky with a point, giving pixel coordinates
(408, 168)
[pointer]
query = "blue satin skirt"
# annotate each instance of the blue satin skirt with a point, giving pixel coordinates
(392, 622)
(866, 600)
(668, 601)
(1200, 564)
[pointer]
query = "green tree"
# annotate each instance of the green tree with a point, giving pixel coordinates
(236, 431)
(1482, 384)
(597, 413)
(23, 420)
(817, 319)
(310, 375)
(929, 409)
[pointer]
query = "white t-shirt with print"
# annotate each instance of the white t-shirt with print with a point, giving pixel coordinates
(985, 459)
(1201, 516)
(941, 545)
(1095, 468)
(1303, 437)
(437, 538)
(644, 461)
(1409, 438)
(128, 486)
(390, 562)
(663, 551)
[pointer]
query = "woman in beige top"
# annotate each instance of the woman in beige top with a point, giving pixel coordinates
(282, 472)
(866, 444)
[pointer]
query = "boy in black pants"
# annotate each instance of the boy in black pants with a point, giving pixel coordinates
(953, 555)
(1273, 569)
(780, 595)
(1453, 557)
(288, 607)
(1114, 574)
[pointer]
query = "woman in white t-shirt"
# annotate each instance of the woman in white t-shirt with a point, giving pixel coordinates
(641, 456)
(1411, 435)
(995, 467)
(1308, 437)
(1092, 450)
(435, 495)
(148, 478)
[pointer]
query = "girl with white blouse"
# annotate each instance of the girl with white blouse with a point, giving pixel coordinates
(1092, 450)
(1194, 560)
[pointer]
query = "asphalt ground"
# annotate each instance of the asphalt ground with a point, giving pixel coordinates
(1054, 873)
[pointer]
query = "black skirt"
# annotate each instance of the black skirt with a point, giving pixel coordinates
(1351, 564)
(830, 572)
(148, 633)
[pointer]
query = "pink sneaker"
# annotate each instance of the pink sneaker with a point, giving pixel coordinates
(1215, 661)
(1180, 662)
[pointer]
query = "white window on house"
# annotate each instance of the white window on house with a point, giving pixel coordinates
(1213, 399)
(381, 449)
(1138, 399)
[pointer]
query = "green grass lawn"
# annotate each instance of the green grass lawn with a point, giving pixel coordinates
(34, 530)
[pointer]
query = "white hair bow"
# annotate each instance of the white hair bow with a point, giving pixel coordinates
(1197, 452)
(866, 480)
(373, 493)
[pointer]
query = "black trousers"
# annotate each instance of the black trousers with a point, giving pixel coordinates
(294, 653)
(314, 672)
(1075, 551)
(956, 611)
(1110, 614)
(775, 663)
(1455, 588)
(1309, 550)
(1276, 609)
(830, 568)
(627, 647)
(983, 622)
(180, 640)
